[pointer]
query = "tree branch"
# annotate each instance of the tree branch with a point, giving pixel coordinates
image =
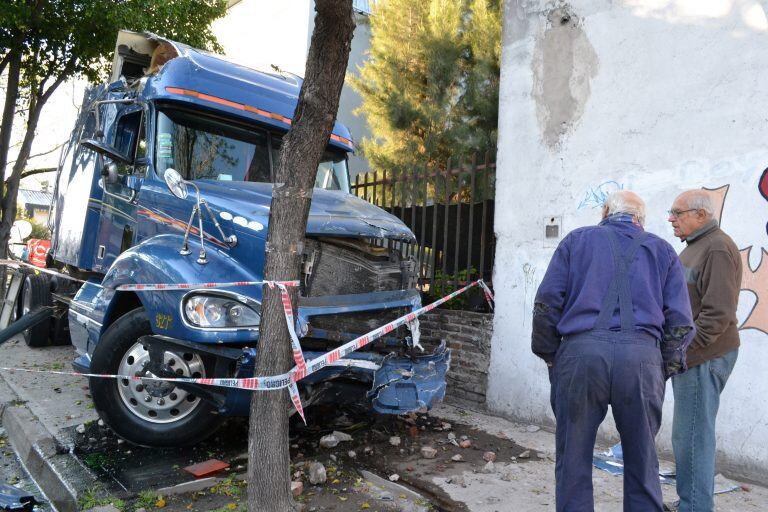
(30, 157)
(32, 172)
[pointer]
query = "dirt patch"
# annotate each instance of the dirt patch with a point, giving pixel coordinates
(384, 445)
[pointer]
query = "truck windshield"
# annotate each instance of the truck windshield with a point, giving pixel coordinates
(201, 147)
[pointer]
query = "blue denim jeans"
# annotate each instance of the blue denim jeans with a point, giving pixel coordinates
(697, 399)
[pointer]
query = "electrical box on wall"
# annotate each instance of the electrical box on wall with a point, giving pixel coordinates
(553, 229)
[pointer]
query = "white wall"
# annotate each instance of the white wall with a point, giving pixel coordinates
(257, 34)
(656, 96)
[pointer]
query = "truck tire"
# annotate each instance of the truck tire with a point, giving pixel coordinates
(143, 412)
(36, 293)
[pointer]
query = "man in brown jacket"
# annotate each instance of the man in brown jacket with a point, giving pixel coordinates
(713, 272)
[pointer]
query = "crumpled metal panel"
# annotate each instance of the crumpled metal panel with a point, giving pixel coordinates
(406, 385)
(12, 498)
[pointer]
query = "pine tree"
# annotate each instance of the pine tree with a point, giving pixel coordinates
(430, 86)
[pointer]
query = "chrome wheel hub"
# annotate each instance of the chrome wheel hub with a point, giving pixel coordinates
(157, 401)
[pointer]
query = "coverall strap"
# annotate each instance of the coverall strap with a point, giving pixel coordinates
(619, 290)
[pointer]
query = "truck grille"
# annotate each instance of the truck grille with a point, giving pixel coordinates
(352, 266)
(358, 323)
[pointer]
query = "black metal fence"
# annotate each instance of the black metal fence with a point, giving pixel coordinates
(451, 213)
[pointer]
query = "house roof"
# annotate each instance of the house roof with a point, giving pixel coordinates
(35, 197)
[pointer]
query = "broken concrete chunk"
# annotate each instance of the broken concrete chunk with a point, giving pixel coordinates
(451, 436)
(394, 440)
(466, 443)
(428, 452)
(297, 487)
(447, 426)
(206, 468)
(351, 454)
(80, 429)
(457, 458)
(489, 467)
(489, 457)
(394, 477)
(317, 473)
(525, 455)
(508, 476)
(341, 436)
(329, 441)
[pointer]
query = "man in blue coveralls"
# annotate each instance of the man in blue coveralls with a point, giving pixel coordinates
(611, 319)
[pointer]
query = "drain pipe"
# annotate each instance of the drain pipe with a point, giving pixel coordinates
(28, 321)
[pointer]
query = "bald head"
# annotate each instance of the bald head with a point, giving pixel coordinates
(625, 201)
(690, 211)
(697, 199)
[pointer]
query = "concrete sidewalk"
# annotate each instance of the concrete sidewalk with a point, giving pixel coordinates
(531, 486)
(41, 412)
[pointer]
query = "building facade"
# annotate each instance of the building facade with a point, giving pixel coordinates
(648, 95)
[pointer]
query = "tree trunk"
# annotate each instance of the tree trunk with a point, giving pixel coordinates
(9, 111)
(303, 146)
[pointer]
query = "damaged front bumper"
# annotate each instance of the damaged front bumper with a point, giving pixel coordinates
(394, 384)
(397, 384)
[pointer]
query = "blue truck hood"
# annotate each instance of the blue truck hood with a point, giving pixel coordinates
(332, 213)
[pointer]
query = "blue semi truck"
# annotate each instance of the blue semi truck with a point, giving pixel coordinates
(167, 178)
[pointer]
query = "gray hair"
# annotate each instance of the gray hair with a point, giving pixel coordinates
(627, 202)
(699, 199)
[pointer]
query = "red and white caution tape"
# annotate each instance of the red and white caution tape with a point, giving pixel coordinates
(19, 264)
(361, 341)
(165, 287)
(488, 294)
(298, 355)
(248, 383)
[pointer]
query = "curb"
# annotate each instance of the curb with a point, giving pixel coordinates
(52, 467)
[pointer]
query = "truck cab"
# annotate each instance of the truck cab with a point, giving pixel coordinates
(168, 178)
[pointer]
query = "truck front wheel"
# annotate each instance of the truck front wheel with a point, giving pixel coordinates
(149, 413)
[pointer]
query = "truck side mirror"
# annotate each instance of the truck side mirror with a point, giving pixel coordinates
(105, 150)
(109, 171)
(175, 183)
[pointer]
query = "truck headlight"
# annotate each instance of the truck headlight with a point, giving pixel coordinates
(219, 311)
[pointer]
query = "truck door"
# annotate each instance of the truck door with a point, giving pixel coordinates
(117, 228)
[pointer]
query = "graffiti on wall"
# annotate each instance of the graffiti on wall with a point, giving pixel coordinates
(753, 281)
(595, 196)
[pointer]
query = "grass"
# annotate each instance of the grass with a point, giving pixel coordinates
(96, 460)
(229, 487)
(95, 497)
(147, 499)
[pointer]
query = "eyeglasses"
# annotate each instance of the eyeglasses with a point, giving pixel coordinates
(677, 213)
